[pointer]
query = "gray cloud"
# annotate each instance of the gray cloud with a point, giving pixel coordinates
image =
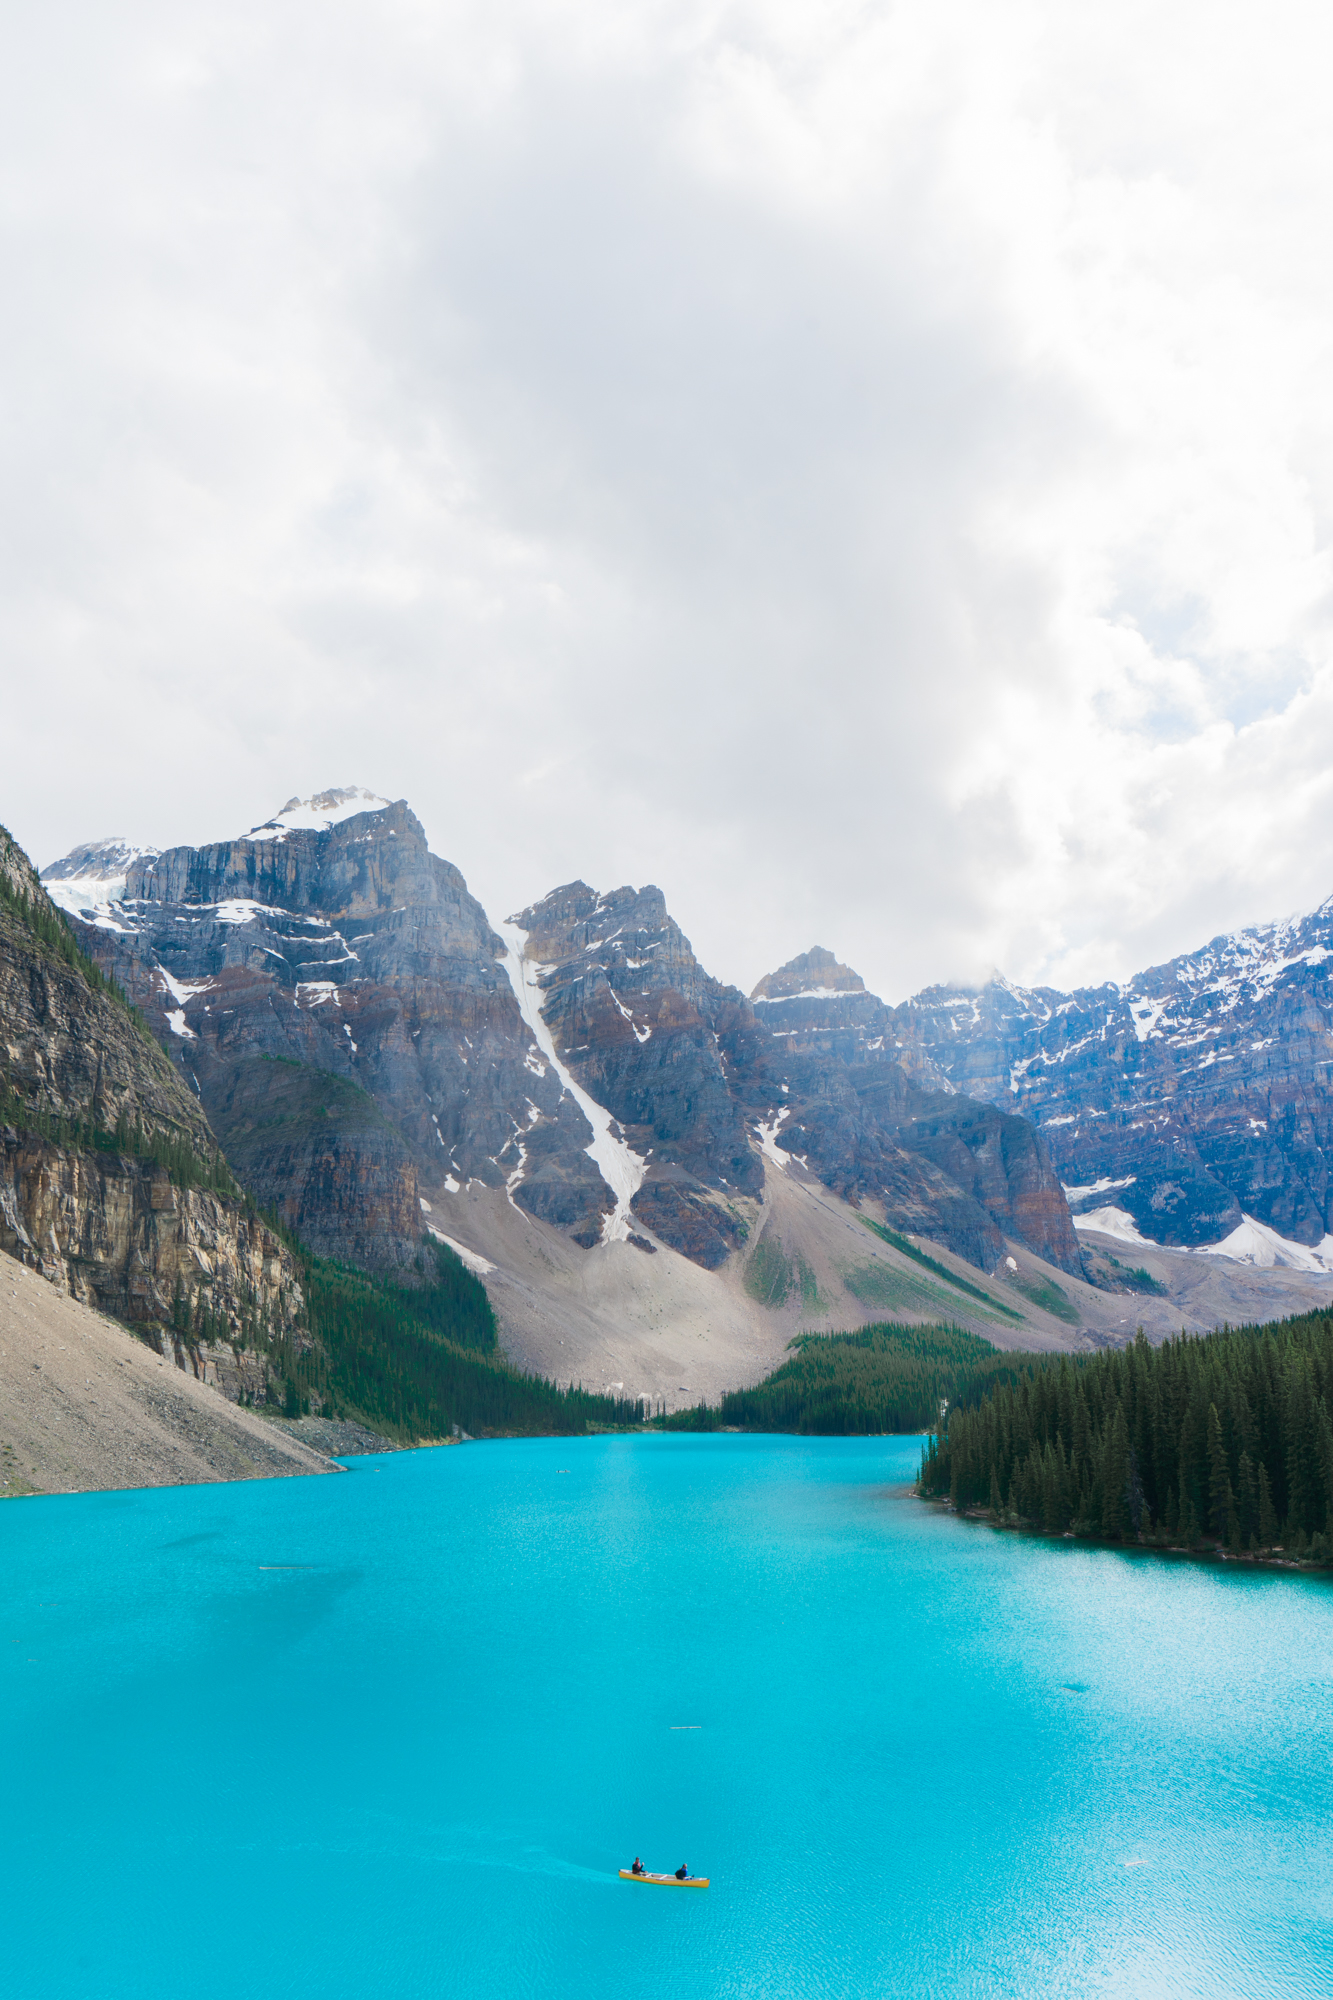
(814, 459)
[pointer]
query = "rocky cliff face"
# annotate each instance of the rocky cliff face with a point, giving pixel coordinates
(117, 1234)
(353, 1026)
(699, 1079)
(1196, 1091)
(103, 1150)
(334, 995)
(826, 1062)
(69, 1049)
(639, 1024)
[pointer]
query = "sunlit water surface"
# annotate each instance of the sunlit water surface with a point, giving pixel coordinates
(392, 1733)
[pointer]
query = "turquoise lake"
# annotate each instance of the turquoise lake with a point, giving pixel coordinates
(392, 1734)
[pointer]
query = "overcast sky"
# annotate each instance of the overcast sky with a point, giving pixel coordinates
(868, 469)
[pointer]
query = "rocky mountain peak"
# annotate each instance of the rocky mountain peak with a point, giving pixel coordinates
(318, 813)
(612, 926)
(815, 975)
(94, 874)
(350, 1020)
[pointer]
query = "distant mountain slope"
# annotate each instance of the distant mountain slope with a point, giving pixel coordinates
(1195, 1092)
(701, 1079)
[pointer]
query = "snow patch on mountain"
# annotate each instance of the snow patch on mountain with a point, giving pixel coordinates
(1255, 1243)
(481, 1266)
(317, 814)
(810, 993)
(768, 1139)
(89, 881)
(620, 1167)
(1103, 1186)
(1113, 1222)
(182, 991)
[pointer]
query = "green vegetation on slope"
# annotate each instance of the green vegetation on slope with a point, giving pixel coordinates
(1137, 1279)
(768, 1273)
(908, 1249)
(771, 1275)
(172, 1151)
(272, 1102)
(413, 1361)
(1225, 1437)
(1052, 1298)
(884, 1378)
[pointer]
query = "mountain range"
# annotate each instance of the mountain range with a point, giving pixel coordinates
(355, 1028)
(659, 1176)
(1194, 1095)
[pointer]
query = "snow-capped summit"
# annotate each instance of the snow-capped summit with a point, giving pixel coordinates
(318, 814)
(87, 880)
(1199, 1087)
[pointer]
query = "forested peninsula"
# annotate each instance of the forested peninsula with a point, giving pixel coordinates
(1221, 1440)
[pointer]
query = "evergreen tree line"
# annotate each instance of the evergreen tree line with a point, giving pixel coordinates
(172, 1150)
(417, 1360)
(1222, 1438)
(880, 1379)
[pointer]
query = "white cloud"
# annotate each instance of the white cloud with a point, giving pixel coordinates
(864, 468)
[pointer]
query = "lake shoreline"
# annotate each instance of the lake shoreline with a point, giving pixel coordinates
(1277, 1559)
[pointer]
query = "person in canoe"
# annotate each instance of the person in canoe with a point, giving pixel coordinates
(682, 1872)
(637, 1868)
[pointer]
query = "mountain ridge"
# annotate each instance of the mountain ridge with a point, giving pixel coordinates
(330, 938)
(1197, 1091)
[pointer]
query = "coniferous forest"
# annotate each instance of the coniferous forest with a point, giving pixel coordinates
(1221, 1439)
(880, 1379)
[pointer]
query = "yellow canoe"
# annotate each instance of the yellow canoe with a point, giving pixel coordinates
(666, 1881)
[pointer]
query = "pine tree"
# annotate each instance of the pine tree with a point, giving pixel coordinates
(1219, 1479)
(1267, 1515)
(1115, 1477)
(1247, 1497)
(1189, 1527)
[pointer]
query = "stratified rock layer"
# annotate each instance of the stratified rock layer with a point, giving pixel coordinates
(118, 1235)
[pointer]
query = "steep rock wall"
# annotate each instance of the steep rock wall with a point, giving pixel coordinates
(354, 953)
(128, 1234)
(118, 1235)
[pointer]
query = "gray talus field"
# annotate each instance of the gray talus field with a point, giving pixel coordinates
(617, 1318)
(84, 1405)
